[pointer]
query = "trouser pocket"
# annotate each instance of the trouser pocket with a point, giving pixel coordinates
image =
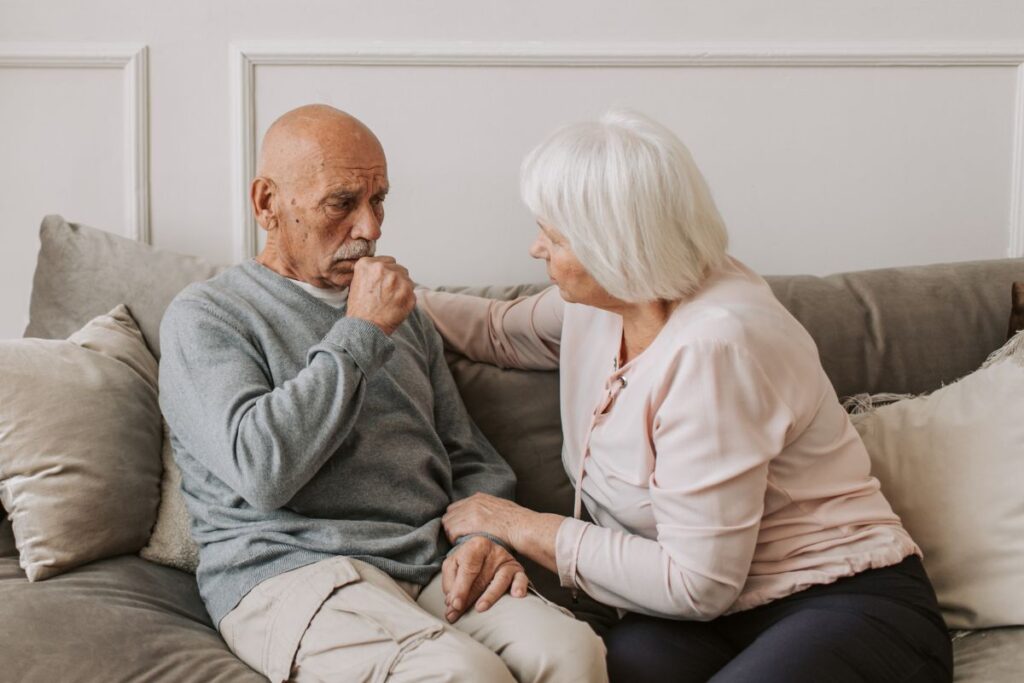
(295, 607)
(400, 619)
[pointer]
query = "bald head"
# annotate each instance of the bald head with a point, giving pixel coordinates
(302, 141)
(319, 194)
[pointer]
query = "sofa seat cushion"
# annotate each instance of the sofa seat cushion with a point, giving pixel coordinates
(119, 619)
(994, 655)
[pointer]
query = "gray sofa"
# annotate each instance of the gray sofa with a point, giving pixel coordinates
(905, 330)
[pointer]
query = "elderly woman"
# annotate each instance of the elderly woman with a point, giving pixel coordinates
(736, 525)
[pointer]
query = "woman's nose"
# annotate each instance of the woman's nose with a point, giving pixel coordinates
(537, 249)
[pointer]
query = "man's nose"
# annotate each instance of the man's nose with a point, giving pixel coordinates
(367, 225)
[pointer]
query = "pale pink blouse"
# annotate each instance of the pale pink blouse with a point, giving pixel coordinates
(719, 467)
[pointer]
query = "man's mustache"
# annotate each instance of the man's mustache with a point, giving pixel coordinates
(357, 248)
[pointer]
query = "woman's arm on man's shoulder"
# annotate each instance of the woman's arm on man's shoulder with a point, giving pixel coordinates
(523, 333)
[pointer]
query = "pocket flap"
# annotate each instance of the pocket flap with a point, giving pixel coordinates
(403, 620)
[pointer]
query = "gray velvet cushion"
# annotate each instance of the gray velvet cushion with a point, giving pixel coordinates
(83, 272)
(120, 619)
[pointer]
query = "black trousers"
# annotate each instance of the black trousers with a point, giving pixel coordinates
(880, 625)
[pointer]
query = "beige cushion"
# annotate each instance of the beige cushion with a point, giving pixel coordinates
(79, 444)
(171, 543)
(951, 464)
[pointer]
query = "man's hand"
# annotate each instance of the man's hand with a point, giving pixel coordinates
(381, 292)
(484, 512)
(479, 571)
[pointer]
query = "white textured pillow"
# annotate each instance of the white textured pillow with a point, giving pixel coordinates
(952, 465)
(171, 543)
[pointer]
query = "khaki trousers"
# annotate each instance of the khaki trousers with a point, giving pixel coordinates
(344, 620)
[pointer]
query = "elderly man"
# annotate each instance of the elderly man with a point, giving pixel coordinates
(321, 438)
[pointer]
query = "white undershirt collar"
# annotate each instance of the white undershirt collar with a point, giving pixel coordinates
(332, 297)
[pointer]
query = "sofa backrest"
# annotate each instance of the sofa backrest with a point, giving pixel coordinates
(904, 330)
(901, 330)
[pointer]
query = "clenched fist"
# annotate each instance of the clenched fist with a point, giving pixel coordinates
(381, 292)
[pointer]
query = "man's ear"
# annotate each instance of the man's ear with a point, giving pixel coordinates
(262, 194)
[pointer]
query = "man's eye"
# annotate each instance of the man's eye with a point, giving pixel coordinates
(377, 201)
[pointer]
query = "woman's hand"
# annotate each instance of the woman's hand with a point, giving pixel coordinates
(483, 512)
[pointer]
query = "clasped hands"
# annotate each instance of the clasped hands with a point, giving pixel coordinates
(479, 571)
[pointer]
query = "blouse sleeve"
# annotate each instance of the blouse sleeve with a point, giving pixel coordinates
(523, 333)
(714, 433)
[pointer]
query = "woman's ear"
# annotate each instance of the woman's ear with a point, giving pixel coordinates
(262, 193)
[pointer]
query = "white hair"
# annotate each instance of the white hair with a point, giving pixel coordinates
(635, 208)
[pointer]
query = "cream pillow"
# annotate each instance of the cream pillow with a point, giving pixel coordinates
(171, 543)
(951, 464)
(79, 444)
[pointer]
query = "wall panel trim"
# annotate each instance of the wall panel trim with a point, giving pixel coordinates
(1016, 246)
(246, 56)
(132, 60)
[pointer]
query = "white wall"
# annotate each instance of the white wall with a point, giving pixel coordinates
(835, 135)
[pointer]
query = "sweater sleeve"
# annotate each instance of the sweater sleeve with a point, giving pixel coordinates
(523, 333)
(262, 441)
(714, 434)
(476, 466)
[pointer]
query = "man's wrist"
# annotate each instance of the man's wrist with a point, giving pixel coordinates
(481, 534)
(383, 327)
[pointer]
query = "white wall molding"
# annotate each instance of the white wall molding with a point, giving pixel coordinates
(1016, 247)
(246, 56)
(131, 60)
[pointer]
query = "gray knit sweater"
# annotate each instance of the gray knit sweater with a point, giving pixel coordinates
(302, 434)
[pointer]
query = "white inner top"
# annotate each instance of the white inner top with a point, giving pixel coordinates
(333, 297)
